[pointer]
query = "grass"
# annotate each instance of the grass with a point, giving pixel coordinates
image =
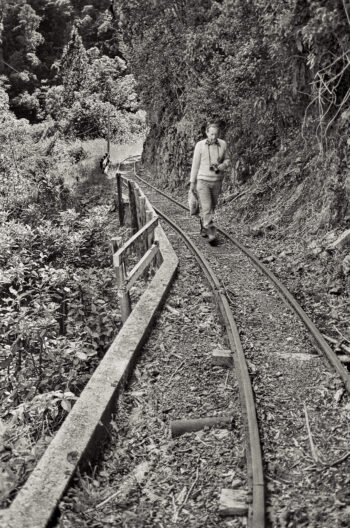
(89, 168)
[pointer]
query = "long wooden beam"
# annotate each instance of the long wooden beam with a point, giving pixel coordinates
(142, 264)
(120, 255)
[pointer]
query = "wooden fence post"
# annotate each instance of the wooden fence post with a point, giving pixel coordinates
(139, 245)
(143, 209)
(116, 243)
(136, 197)
(150, 237)
(142, 202)
(120, 199)
(133, 212)
(123, 294)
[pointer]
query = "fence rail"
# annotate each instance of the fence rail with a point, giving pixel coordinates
(131, 160)
(136, 211)
(80, 437)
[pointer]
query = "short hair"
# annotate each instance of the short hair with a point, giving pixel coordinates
(212, 125)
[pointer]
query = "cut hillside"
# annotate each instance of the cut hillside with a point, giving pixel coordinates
(275, 77)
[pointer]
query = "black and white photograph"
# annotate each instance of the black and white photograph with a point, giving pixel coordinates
(174, 263)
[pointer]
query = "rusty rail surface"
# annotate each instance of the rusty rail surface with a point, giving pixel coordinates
(254, 455)
(257, 518)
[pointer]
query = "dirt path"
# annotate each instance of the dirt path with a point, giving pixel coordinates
(298, 399)
(164, 481)
(292, 384)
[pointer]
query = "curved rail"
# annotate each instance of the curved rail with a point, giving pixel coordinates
(256, 519)
(284, 294)
(293, 303)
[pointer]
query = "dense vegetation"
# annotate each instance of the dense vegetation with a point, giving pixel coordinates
(61, 74)
(61, 60)
(58, 296)
(275, 74)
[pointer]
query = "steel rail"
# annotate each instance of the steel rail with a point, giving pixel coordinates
(283, 292)
(286, 296)
(256, 517)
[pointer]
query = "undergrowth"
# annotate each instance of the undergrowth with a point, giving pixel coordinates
(58, 307)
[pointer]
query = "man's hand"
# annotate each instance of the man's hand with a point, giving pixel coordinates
(193, 187)
(224, 165)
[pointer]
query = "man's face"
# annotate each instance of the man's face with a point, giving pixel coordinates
(212, 133)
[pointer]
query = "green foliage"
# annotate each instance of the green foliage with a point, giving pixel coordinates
(58, 296)
(47, 268)
(4, 100)
(20, 42)
(92, 88)
(266, 70)
(73, 66)
(39, 38)
(246, 63)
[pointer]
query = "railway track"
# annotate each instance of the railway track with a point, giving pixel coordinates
(292, 456)
(197, 356)
(312, 340)
(256, 517)
(315, 334)
(254, 456)
(287, 396)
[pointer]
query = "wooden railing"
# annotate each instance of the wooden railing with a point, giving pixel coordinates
(128, 162)
(136, 210)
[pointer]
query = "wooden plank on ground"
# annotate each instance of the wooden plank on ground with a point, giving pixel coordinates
(221, 357)
(180, 427)
(233, 502)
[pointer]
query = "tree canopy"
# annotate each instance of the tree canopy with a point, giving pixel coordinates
(258, 66)
(62, 59)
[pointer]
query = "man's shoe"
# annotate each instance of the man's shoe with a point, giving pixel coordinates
(212, 235)
(203, 231)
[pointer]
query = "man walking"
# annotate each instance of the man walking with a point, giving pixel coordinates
(210, 161)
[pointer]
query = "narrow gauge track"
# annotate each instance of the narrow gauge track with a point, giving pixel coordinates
(286, 296)
(256, 518)
(284, 393)
(256, 513)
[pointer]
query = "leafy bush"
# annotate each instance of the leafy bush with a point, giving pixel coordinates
(58, 296)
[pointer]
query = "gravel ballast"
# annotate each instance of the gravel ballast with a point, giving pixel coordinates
(145, 477)
(302, 409)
